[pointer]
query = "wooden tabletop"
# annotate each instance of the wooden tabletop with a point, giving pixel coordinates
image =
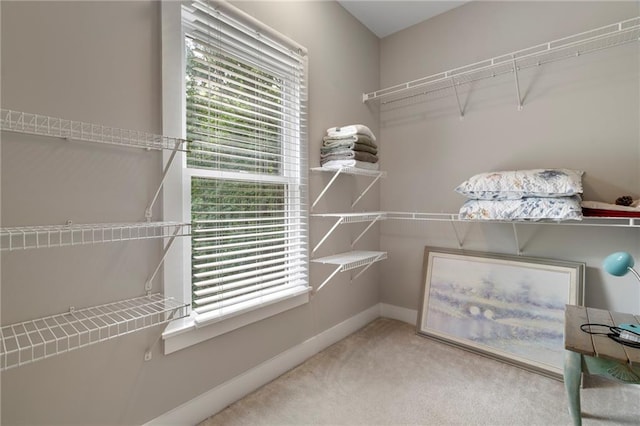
(595, 345)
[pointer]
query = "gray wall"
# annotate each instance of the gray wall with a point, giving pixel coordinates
(100, 62)
(581, 113)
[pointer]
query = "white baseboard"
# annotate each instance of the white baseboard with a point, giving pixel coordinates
(221, 396)
(399, 313)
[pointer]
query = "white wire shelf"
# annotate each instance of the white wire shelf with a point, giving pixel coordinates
(567, 47)
(625, 222)
(34, 340)
(31, 237)
(453, 218)
(42, 125)
(375, 174)
(344, 218)
(354, 217)
(350, 260)
(351, 171)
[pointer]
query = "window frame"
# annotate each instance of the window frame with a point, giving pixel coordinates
(185, 332)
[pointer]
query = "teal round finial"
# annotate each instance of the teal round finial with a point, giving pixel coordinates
(618, 263)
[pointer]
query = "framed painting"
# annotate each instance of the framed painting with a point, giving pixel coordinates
(507, 307)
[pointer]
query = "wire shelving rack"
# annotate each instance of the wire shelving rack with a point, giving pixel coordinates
(34, 340)
(575, 45)
(350, 260)
(43, 125)
(29, 341)
(48, 236)
(344, 218)
(626, 222)
(354, 171)
(454, 218)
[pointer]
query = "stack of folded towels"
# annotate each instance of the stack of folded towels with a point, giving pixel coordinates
(538, 194)
(349, 146)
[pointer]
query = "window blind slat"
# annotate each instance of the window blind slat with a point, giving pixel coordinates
(251, 219)
(209, 230)
(223, 312)
(234, 50)
(236, 237)
(217, 131)
(223, 289)
(232, 139)
(267, 288)
(233, 43)
(230, 157)
(255, 99)
(295, 261)
(248, 114)
(254, 31)
(217, 80)
(247, 258)
(242, 252)
(244, 41)
(240, 118)
(267, 243)
(247, 237)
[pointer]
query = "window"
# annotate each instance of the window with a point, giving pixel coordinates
(244, 173)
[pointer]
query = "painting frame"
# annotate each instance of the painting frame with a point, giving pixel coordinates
(510, 308)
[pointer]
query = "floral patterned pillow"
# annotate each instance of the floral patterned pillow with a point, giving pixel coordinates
(526, 209)
(512, 185)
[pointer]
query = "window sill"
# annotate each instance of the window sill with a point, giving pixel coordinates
(186, 332)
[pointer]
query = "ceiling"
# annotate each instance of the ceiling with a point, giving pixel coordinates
(386, 17)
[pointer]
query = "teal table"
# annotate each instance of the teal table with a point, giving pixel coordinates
(595, 354)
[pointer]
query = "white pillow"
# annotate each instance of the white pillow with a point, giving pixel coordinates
(512, 185)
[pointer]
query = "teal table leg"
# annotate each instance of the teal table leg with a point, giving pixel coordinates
(572, 374)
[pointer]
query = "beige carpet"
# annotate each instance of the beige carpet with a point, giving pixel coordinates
(385, 374)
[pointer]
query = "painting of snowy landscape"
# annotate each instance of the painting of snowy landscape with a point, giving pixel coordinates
(508, 307)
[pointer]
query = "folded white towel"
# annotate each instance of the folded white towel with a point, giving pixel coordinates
(337, 164)
(350, 130)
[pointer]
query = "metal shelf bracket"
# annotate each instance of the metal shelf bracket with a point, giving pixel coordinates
(149, 283)
(148, 211)
(376, 175)
(326, 188)
(333, 228)
(364, 231)
(515, 74)
(333, 274)
(455, 91)
(148, 354)
(515, 234)
(375, 179)
(368, 265)
(455, 231)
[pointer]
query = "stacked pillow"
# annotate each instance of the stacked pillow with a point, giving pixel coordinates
(523, 195)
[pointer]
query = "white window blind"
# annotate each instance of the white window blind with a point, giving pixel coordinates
(247, 162)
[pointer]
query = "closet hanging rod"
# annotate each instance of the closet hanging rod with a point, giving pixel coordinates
(575, 45)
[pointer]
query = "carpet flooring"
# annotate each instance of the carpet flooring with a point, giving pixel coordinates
(385, 374)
